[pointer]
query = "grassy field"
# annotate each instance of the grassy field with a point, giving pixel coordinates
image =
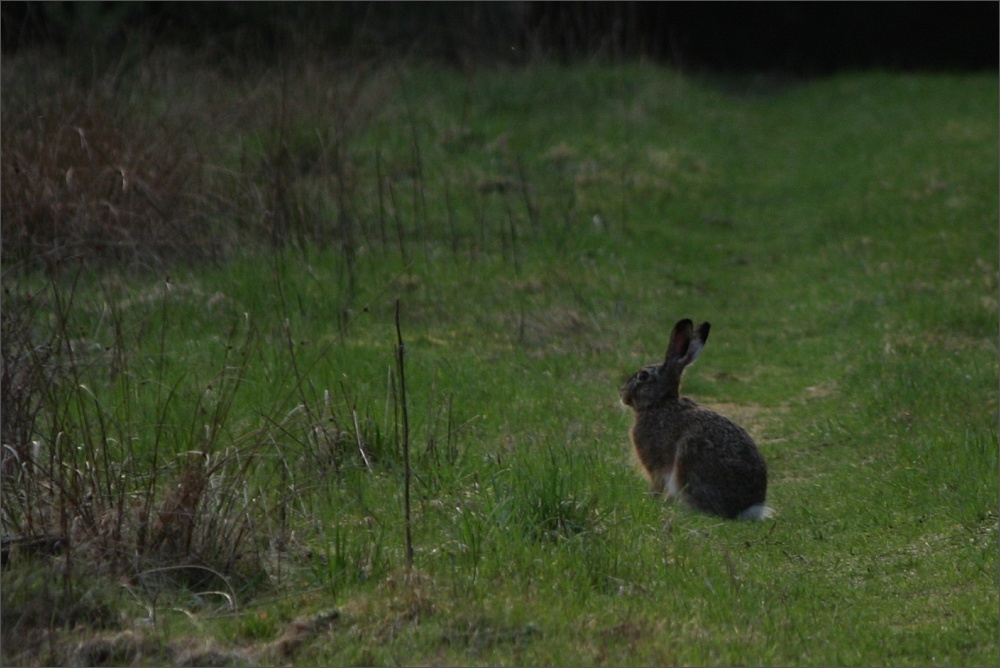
(209, 407)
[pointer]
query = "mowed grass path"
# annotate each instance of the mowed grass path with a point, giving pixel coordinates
(542, 230)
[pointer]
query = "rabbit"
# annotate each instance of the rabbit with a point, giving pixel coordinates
(695, 454)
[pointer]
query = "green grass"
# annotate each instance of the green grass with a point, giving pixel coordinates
(543, 229)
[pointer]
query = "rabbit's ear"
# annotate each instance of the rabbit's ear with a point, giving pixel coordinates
(701, 332)
(698, 341)
(680, 339)
(686, 342)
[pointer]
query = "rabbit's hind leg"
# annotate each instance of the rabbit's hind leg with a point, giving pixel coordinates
(707, 497)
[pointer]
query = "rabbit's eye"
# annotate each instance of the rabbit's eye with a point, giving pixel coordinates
(642, 376)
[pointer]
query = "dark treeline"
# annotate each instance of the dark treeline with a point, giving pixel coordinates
(795, 38)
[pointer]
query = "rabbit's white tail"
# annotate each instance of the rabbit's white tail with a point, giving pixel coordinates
(757, 512)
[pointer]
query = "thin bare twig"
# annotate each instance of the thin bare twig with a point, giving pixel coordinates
(400, 353)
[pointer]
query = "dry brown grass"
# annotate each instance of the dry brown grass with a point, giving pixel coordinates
(83, 177)
(131, 166)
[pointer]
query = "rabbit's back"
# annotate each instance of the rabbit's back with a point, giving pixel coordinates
(720, 468)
